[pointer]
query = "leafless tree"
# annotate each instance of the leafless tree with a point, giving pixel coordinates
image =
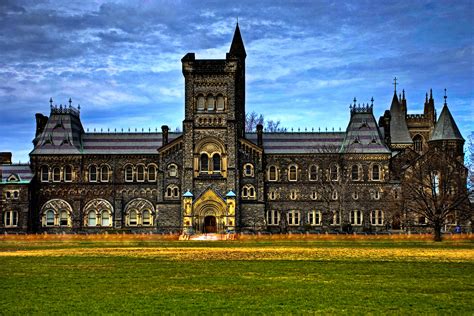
(470, 161)
(252, 119)
(434, 187)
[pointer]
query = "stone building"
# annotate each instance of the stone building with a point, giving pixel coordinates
(215, 177)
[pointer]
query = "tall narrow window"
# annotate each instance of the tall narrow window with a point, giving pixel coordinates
(336, 218)
(201, 103)
(141, 173)
(293, 173)
(49, 218)
(272, 173)
(376, 217)
(355, 173)
(204, 162)
(435, 183)
(132, 218)
(273, 218)
(44, 174)
(104, 174)
(248, 170)
(151, 173)
(56, 175)
(128, 173)
(91, 219)
(314, 217)
(356, 217)
(105, 218)
(334, 173)
(216, 163)
(293, 218)
(375, 172)
(63, 218)
(220, 103)
(210, 103)
(146, 218)
(172, 171)
(313, 173)
(11, 218)
(67, 174)
(93, 174)
(418, 143)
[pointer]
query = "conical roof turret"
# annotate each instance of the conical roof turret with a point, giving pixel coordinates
(237, 47)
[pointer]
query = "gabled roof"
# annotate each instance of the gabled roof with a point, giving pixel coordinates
(22, 172)
(398, 126)
(446, 128)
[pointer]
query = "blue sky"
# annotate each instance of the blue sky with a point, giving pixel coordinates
(307, 60)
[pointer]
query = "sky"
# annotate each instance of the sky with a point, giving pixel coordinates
(306, 60)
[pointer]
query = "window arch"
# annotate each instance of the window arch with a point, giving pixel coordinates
(334, 172)
(151, 172)
(356, 217)
(139, 212)
(10, 218)
(133, 218)
(418, 143)
(248, 192)
(44, 174)
(146, 218)
(355, 173)
(56, 174)
(50, 218)
(104, 173)
(140, 173)
(172, 170)
(172, 191)
(201, 102)
(376, 172)
(204, 163)
(220, 102)
(334, 195)
(313, 173)
(314, 218)
(335, 218)
(93, 173)
(272, 173)
(56, 212)
(128, 173)
(210, 103)
(377, 217)
(105, 218)
(103, 211)
(68, 173)
(293, 218)
(293, 173)
(293, 194)
(63, 218)
(91, 219)
(248, 170)
(216, 163)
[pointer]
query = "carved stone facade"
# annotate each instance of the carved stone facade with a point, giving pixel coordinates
(215, 177)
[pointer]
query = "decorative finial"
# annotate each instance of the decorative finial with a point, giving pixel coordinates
(51, 102)
(79, 107)
(426, 98)
(403, 94)
(355, 100)
(431, 94)
(445, 97)
(70, 101)
(395, 83)
(237, 20)
(372, 101)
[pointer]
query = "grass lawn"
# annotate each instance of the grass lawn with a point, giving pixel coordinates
(72, 274)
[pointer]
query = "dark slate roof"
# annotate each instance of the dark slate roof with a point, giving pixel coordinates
(22, 171)
(300, 143)
(363, 135)
(237, 47)
(398, 126)
(446, 128)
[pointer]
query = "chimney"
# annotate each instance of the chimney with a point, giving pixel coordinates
(5, 158)
(260, 135)
(41, 121)
(164, 131)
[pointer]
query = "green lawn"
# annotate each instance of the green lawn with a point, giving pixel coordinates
(316, 276)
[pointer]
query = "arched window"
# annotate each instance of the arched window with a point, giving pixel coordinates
(314, 195)
(356, 217)
(50, 218)
(210, 103)
(173, 170)
(204, 162)
(248, 170)
(175, 192)
(10, 218)
(245, 192)
(44, 174)
(334, 195)
(248, 192)
(201, 103)
(132, 219)
(91, 219)
(435, 183)
(334, 173)
(67, 174)
(272, 173)
(146, 218)
(293, 218)
(172, 191)
(140, 173)
(105, 218)
(273, 218)
(92, 174)
(216, 163)
(313, 173)
(56, 174)
(355, 173)
(293, 173)
(104, 173)
(151, 173)
(220, 102)
(376, 172)
(293, 194)
(418, 143)
(128, 173)
(314, 218)
(335, 218)
(376, 217)
(63, 218)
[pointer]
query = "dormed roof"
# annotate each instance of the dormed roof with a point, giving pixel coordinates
(20, 171)
(446, 128)
(398, 126)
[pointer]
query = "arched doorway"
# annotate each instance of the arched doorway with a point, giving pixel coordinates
(210, 224)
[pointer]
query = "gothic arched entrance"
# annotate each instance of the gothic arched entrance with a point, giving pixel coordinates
(209, 213)
(210, 224)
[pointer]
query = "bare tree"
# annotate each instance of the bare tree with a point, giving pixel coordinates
(470, 162)
(434, 187)
(252, 119)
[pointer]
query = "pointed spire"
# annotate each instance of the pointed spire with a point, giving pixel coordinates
(403, 94)
(446, 128)
(70, 101)
(445, 98)
(237, 47)
(395, 84)
(431, 94)
(426, 98)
